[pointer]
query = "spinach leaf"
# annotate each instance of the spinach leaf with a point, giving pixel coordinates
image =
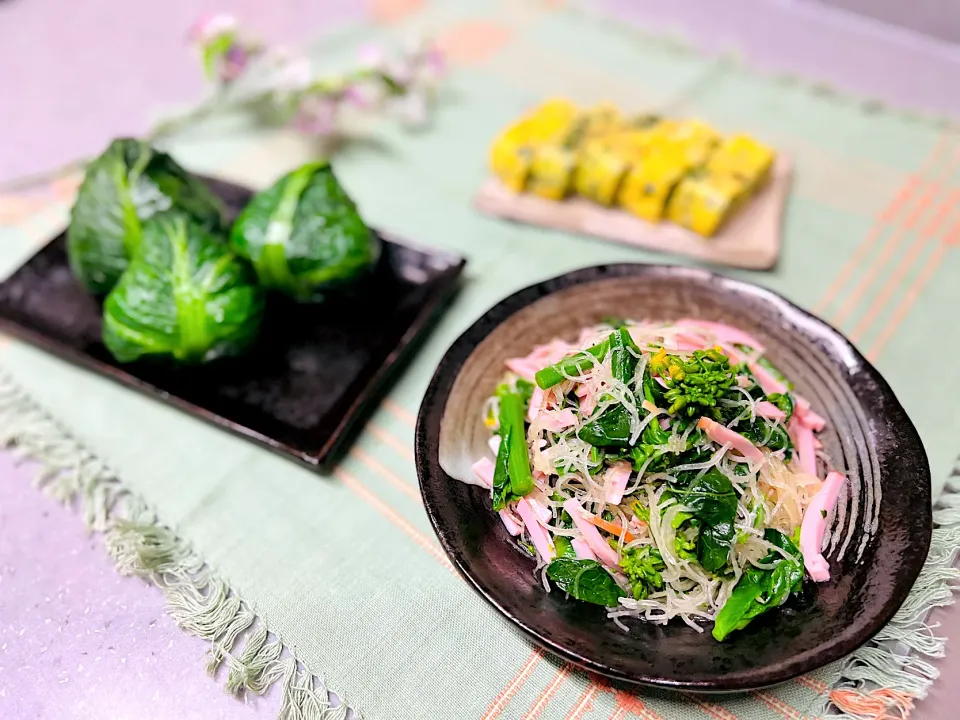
(784, 402)
(303, 235)
(766, 434)
(760, 590)
(652, 390)
(585, 580)
(611, 429)
(732, 613)
(623, 363)
(713, 502)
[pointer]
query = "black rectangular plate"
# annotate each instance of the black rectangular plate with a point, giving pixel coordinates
(314, 374)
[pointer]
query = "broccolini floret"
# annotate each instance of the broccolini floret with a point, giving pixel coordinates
(643, 567)
(694, 386)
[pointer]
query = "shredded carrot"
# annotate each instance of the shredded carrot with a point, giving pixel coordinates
(612, 528)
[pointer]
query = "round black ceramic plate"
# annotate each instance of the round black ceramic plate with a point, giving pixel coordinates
(880, 536)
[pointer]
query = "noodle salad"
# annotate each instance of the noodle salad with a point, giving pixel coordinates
(661, 470)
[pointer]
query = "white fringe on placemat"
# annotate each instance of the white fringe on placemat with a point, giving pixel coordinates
(886, 676)
(198, 601)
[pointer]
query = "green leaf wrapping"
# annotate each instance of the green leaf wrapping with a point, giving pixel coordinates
(184, 296)
(128, 184)
(304, 235)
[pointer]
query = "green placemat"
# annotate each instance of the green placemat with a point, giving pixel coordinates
(341, 576)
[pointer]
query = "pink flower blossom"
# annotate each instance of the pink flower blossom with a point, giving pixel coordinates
(317, 115)
(435, 62)
(208, 27)
(232, 64)
(363, 95)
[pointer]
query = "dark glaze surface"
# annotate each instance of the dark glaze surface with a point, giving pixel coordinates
(884, 520)
(302, 390)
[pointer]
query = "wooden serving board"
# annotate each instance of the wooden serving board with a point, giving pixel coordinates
(750, 239)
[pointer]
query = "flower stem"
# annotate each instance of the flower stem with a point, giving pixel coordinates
(219, 102)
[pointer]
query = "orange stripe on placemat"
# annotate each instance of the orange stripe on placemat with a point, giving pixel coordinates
(904, 196)
(548, 694)
(585, 701)
(418, 537)
(506, 695)
(393, 11)
(816, 685)
(777, 704)
(619, 712)
(714, 711)
(926, 200)
(876, 704)
(916, 248)
(15, 209)
(629, 703)
(473, 41)
(371, 462)
(389, 440)
(913, 292)
(400, 412)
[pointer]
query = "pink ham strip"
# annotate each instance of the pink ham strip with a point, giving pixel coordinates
(728, 350)
(494, 444)
(606, 554)
(803, 441)
(582, 550)
(684, 343)
(541, 540)
(588, 401)
(541, 356)
(723, 332)
(557, 420)
(725, 436)
(510, 523)
(771, 385)
(615, 481)
(812, 420)
(688, 341)
(483, 469)
(538, 502)
(770, 411)
(807, 416)
(815, 524)
(768, 383)
(536, 403)
(521, 367)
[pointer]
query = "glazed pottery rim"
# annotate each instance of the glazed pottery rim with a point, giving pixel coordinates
(427, 443)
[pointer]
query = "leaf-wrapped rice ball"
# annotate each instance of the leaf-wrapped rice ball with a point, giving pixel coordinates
(184, 296)
(304, 235)
(128, 184)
